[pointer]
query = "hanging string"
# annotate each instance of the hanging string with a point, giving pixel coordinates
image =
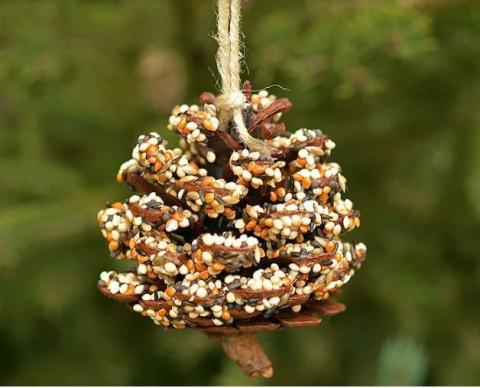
(232, 100)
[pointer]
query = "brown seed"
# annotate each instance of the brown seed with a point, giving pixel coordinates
(323, 197)
(258, 169)
(157, 166)
(209, 197)
(226, 316)
(198, 255)
(170, 291)
(229, 212)
(251, 224)
(297, 177)
(200, 267)
(330, 246)
(152, 150)
(208, 125)
(182, 123)
(218, 266)
(207, 98)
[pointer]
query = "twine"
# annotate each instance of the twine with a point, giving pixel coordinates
(232, 100)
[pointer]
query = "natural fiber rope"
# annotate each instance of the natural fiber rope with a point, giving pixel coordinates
(231, 102)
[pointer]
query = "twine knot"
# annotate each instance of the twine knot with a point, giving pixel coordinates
(231, 101)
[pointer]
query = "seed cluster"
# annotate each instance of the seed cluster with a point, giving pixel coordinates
(288, 220)
(195, 124)
(226, 252)
(255, 170)
(222, 235)
(209, 195)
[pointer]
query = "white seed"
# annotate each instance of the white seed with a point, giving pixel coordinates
(251, 241)
(277, 224)
(246, 175)
(191, 126)
(274, 301)
(170, 267)
(216, 308)
(304, 269)
(296, 308)
(257, 285)
(252, 212)
(249, 309)
(142, 269)
(202, 292)
(138, 308)
(230, 297)
(257, 181)
(337, 229)
(294, 267)
(172, 224)
(309, 206)
(123, 288)
(208, 239)
(114, 287)
(329, 144)
(193, 289)
(329, 226)
(267, 285)
(211, 157)
(207, 257)
(307, 290)
(275, 280)
(104, 277)
(306, 221)
(303, 153)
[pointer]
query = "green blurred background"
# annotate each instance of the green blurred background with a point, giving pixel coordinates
(396, 84)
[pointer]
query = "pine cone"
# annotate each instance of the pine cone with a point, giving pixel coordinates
(227, 240)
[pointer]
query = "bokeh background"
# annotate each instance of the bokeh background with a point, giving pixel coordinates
(395, 83)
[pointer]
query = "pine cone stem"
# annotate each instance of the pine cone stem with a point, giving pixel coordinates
(246, 351)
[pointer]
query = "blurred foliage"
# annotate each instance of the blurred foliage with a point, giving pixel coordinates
(395, 83)
(402, 362)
